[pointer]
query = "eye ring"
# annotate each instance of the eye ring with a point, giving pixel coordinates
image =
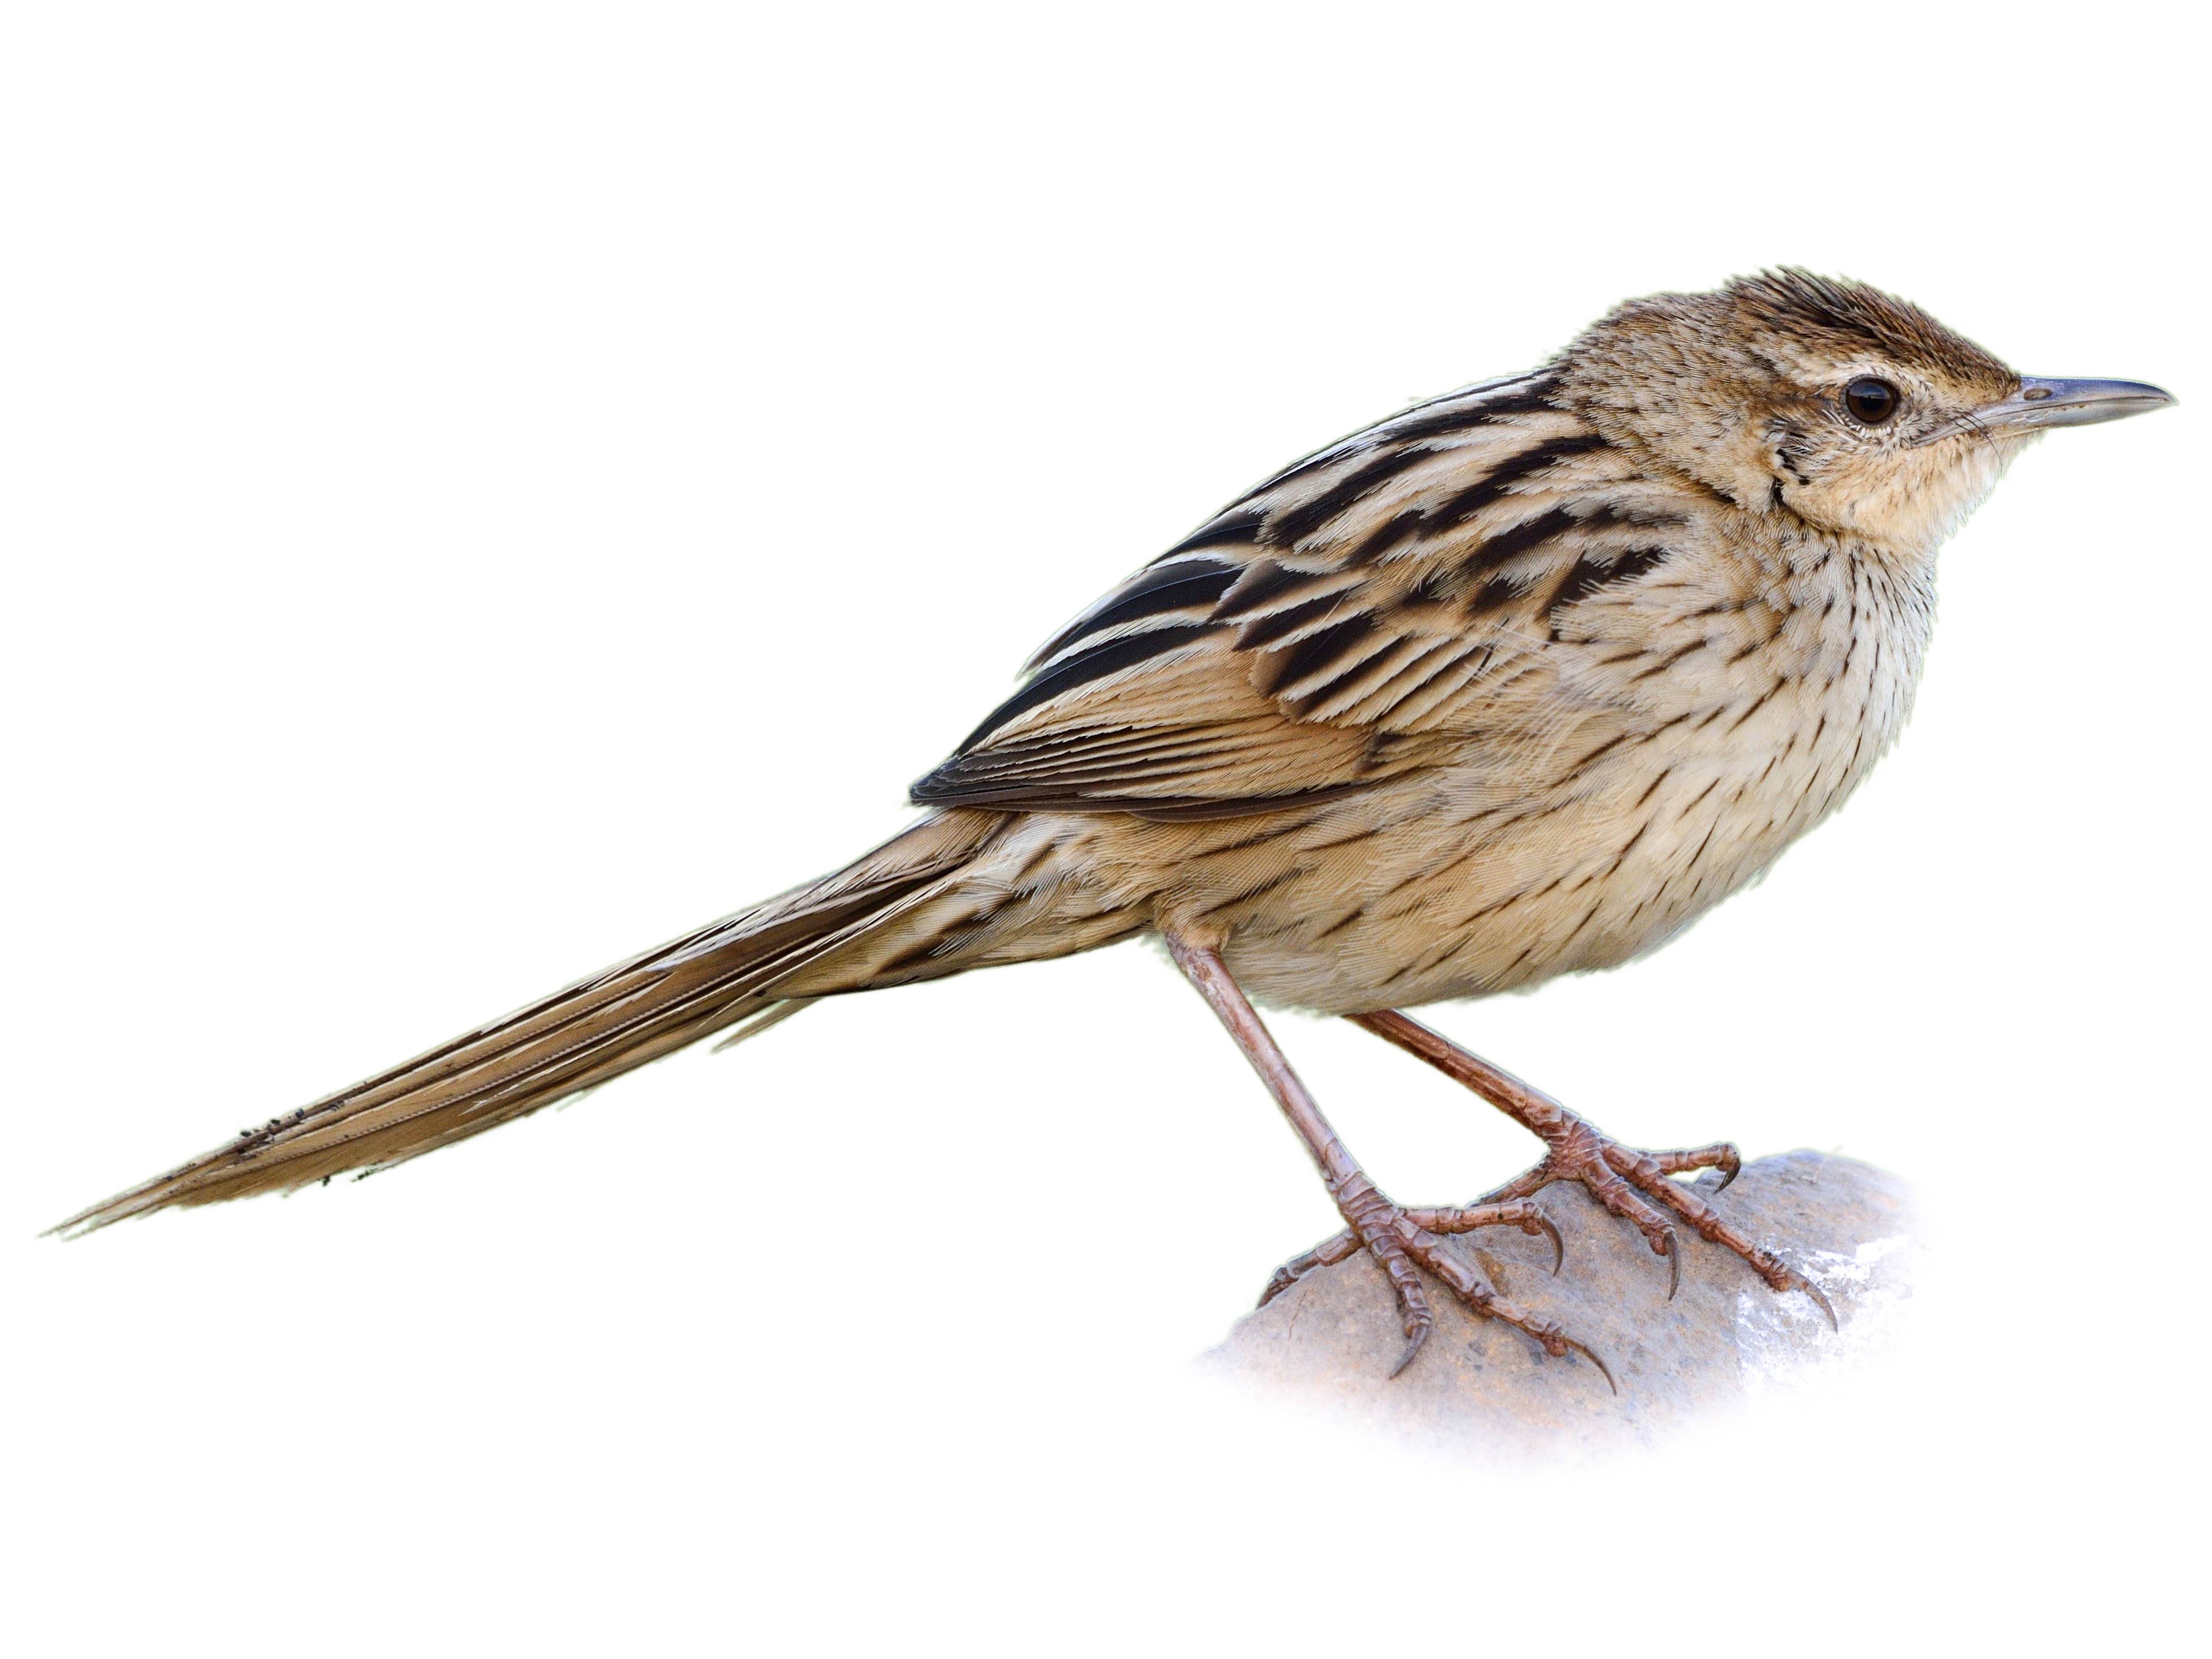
(1872, 401)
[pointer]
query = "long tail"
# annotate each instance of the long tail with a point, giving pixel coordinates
(901, 913)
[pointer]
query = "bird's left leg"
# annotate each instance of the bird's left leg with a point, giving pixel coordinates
(1399, 1239)
(1630, 1183)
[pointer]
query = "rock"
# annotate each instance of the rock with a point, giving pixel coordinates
(1332, 1339)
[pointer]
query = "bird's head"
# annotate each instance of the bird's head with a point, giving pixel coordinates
(1795, 394)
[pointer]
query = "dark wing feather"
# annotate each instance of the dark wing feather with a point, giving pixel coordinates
(1339, 624)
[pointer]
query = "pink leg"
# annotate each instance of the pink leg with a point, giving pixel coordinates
(1623, 1179)
(1400, 1240)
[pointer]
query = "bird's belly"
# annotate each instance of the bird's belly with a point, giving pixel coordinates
(1456, 893)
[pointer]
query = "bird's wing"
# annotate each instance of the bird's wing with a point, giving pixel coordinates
(1346, 621)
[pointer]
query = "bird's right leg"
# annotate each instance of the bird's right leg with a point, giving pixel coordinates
(1628, 1182)
(1397, 1237)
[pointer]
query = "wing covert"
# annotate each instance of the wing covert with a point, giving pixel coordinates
(1344, 621)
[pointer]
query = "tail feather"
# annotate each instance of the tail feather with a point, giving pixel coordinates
(721, 975)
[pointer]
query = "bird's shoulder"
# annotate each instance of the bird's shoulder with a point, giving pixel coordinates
(1346, 619)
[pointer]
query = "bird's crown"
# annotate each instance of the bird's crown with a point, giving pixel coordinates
(1804, 398)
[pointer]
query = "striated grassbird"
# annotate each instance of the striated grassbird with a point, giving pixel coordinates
(1514, 683)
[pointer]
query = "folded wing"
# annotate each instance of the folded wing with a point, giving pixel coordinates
(1349, 620)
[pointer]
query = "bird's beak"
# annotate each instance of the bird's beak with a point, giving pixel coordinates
(2040, 402)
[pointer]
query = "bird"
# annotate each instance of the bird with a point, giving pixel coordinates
(1514, 683)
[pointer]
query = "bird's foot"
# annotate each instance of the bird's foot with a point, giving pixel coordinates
(1623, 1179)
(1634, 1185)
(1404, 1241)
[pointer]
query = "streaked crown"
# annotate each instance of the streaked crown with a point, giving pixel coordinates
(1791, 393)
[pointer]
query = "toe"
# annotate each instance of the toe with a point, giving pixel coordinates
(1342, 1248)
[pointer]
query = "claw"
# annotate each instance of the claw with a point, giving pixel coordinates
(1419, 1334)
(1559, 1245)
(1821, 1301)
(1730, 1168)
(1603, 1369)
(1671, 1248)
(1327, 1253)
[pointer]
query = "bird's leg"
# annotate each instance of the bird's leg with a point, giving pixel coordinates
(1398, 1238)
(1630, 1183)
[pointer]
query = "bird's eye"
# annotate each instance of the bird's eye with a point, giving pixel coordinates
(1871, 401)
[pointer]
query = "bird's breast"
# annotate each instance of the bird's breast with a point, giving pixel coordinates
(1672, 756)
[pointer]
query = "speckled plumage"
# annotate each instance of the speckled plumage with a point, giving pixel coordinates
(1557, 662)
(1514, 683)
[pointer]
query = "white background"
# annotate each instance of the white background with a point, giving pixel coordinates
(484, 490)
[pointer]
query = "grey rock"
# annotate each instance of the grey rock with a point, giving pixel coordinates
(1331, 1338)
